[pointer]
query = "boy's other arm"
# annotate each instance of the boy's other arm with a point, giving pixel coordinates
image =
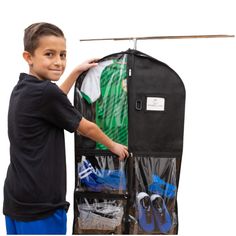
(91, 130)
(70, 80)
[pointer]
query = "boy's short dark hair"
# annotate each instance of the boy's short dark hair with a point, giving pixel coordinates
(37, 30)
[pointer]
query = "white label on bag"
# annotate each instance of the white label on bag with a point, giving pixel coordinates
(155, 104)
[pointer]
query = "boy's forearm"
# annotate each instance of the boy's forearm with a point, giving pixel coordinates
(69, 81)
(92, 131)
(97, 135)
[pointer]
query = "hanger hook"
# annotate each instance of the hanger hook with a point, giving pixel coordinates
(135, 43)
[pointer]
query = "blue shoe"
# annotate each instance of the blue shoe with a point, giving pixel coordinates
(163, 218)
(88, 176)
(145, 214)
(114, 179)
(159, 186)
(98, 180)
(86, 169)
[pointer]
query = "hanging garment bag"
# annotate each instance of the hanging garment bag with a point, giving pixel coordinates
(137, 101)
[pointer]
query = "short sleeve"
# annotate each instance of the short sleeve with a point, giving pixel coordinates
(58, 110)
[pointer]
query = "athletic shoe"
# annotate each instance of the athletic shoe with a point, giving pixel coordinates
(162, 216)
(145, 214)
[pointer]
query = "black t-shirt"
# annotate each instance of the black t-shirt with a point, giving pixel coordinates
(35, 185)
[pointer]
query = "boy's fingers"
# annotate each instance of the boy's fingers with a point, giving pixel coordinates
(93, 60)
(124, 154)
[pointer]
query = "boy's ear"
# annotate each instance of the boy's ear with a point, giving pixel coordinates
(28, 58)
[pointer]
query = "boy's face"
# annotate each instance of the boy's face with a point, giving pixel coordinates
(49, 59)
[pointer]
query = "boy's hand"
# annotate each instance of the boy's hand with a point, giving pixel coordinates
(120, 150)
(87, 64)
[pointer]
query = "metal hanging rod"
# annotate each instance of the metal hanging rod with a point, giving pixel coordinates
(164, 37)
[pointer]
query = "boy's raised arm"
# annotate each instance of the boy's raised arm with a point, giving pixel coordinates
(70, 80)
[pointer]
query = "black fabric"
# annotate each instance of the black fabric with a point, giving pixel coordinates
(163, 129)
(35, 185)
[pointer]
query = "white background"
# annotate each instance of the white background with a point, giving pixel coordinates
(206, 196)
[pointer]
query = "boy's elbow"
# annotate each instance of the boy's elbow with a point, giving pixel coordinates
(86, 128)
(91, 129)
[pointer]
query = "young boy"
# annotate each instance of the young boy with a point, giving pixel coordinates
(39, 111)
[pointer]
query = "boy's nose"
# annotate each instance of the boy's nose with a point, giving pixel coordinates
(56, 63)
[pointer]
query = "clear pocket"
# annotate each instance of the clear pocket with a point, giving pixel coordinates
(101, 174)
(156, 195)
(100, 216)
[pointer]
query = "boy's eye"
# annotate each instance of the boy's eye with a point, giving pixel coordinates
(49, 54)
(63, 55)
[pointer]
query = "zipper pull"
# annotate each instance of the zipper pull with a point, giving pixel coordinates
(130, 72)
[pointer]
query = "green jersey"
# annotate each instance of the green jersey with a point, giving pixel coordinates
(111, 107)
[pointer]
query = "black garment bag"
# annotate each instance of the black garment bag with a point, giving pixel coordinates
(140, 102)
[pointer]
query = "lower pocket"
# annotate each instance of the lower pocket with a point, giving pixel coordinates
(99, 216)
(156, 181)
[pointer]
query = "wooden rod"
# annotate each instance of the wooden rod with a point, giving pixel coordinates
(164, 37)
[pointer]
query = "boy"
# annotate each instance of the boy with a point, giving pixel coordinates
(39, 111)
